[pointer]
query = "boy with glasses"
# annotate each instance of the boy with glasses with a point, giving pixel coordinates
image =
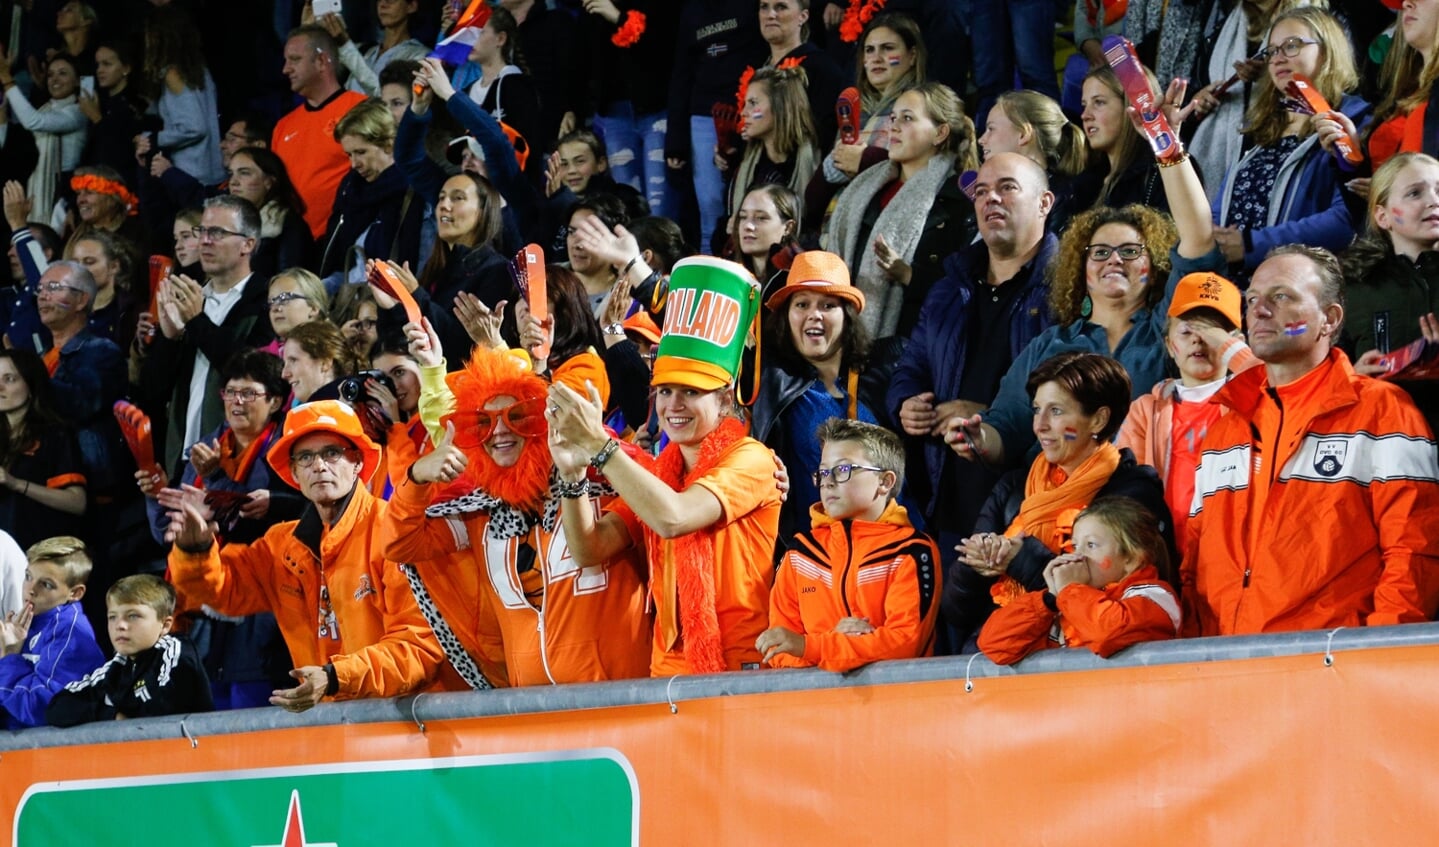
(860, 585)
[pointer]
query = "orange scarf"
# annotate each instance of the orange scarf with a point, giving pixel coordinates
(693, 555)
(237, 463)
(1053, 498)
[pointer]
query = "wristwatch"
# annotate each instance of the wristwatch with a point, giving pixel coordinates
(615, 329)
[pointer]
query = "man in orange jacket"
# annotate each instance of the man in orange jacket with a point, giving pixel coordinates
(1317, 494)
(348, 616)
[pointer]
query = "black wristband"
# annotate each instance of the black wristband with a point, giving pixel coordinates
(1050, 601)
(332, 686)
(598, 462)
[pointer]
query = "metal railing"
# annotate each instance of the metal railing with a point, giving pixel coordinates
(675, 691)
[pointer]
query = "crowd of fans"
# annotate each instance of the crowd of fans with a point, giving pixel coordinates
(447, 388)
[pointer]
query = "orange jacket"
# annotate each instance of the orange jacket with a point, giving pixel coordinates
(1140, 607)
(885, 571)
(1318, 513)
(384, 647)
(590, 626)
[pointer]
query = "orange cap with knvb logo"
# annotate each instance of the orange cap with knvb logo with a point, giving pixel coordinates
(1207, 290)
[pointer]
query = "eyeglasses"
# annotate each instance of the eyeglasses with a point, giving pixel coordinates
(214, 233)
(284, 297)
(329, 455)
(1102, 252)
(362, 324)
(58, 288)
(525, 419)
(244, 395)
(1290, 47)
(839, 473)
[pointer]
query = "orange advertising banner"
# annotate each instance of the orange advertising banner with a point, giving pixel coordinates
(1283, 750)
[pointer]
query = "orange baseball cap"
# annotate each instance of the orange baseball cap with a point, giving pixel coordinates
(330, 416)
(819, 272)
(1207, 290)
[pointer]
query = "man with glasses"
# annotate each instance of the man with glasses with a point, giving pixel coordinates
(348, 616)
(977, 318)
(87, 371)
(202, 326)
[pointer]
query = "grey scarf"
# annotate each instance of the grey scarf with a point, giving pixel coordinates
(901, 223)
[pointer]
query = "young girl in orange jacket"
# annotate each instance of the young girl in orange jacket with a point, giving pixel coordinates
(1113, 591)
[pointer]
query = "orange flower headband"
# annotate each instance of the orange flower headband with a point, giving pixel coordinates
(742, 93)
(859, 13)
(101, 185)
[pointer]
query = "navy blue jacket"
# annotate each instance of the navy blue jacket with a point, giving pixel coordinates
(1309, 195)
(91, 376)
(935, 356)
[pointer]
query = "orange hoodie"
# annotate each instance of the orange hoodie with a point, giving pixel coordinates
(885, 571)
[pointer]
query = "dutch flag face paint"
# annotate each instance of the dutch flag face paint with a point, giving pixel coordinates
(1296, 328)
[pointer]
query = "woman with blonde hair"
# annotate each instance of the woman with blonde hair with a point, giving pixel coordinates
(1033, 125)
(780, 145)
(894, 224)
(375, 214)
(297, 297)
(1391, 274)
(1123, 167)
(1286, 189)
(1407, 80)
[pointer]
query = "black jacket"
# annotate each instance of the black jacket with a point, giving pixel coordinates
(166, 679)
(165, 374)
(967, 603)
(376, 217)
(478, 270)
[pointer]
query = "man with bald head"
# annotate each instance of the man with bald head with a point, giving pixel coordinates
(988, 305)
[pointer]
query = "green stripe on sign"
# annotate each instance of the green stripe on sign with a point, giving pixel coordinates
(573, 797)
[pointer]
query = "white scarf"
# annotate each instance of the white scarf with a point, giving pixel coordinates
(1218, 142)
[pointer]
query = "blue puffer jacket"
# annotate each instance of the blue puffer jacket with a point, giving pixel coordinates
(1306, 205)
(935, 356)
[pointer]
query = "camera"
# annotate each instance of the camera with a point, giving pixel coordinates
(352, 388)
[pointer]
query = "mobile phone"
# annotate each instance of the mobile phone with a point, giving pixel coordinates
(87, 85)
(326, 7)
